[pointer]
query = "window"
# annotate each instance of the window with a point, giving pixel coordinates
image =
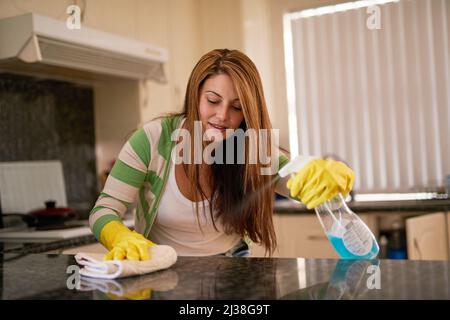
(378, 99)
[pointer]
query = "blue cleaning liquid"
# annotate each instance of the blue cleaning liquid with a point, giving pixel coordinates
(344, 253)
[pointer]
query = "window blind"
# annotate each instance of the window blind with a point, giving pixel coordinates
(378, 99)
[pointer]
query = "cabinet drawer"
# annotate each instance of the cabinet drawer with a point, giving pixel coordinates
(303, 236)
(427, 237)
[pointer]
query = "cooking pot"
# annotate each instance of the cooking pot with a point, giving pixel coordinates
(50, 216)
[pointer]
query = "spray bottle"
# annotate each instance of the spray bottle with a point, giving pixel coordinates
(348, 234)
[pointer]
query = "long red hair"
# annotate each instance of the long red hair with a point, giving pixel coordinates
(242, 197)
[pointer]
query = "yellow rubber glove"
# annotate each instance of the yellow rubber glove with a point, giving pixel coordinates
(321, 180)
(124, 243)
(142, 294)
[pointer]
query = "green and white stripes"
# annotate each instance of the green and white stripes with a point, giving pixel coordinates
(140, 171)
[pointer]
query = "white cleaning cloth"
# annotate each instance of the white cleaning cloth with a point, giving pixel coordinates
(162, 281)
(161, 257)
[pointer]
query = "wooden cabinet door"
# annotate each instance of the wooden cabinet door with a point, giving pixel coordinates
(259, 251)
(301, 235)
(298, 235)
(427, 237)
(448, 233)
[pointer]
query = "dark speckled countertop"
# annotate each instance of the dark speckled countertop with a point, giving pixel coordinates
(42, 276)
(44, 245)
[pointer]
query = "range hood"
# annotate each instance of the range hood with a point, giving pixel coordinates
(35, 44)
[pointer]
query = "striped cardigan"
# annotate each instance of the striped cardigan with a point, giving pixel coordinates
(141, 170)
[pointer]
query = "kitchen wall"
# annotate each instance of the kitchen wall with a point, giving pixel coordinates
(187, 29)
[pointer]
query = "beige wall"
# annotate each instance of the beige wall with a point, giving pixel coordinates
(221, 24)
(257, 39)
(187, 29)
(116, 116)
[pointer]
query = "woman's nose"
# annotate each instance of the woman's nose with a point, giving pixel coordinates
(222, 112)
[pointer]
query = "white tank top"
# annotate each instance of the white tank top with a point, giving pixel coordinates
(176, 225)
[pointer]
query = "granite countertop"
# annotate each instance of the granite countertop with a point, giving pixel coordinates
(290, 206)
(28, 240)
(25, 246)
(43, 276)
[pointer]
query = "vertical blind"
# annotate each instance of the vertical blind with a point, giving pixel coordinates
(378, 99)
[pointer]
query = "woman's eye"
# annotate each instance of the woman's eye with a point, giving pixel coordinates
(237, 108)
(213, 102)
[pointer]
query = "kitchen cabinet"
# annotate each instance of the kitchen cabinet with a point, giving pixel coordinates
(427, 237)
(258, 251)
(301, 235)
(448, 233)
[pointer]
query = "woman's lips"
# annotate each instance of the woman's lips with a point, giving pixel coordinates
(221, 128)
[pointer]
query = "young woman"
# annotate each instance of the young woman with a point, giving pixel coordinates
(198, 207)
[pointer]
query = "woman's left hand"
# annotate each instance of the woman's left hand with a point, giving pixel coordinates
(321, 180)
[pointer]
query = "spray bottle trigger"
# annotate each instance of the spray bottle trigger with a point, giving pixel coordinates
(295, 165)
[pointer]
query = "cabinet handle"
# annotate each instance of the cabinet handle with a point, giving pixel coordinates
(416, 246)
(315, 237)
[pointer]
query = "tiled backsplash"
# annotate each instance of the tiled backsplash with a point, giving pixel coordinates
(51, 120)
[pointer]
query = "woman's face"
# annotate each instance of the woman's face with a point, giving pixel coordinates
(220, 108)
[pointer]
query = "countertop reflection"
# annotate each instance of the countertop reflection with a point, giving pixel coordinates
(42, 276)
